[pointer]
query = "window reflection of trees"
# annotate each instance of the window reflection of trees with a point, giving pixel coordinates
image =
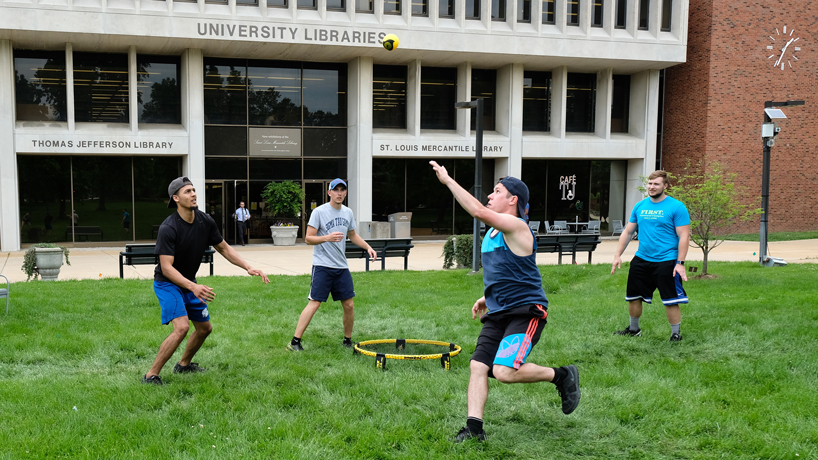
(158, 89)
(40, 96)
(101, 87)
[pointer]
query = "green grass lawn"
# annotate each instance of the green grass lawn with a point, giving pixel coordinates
(777, 236)
(741, 385)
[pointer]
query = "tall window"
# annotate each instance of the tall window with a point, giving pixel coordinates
(101, 88)
(548, 11)
(621, 14)
(225, 92)
(389, 96)
(573, 13)
(580, 103)
(596, 13)
(39, 85)
(324, 94)
(523, 10)
(420, 8)
(438, 94)
(644, 14)
(667, 10)
(472, 9)
(445, 8)
(363, 6)
(158, 89)
(536, 101)
(391, 6)
(274, 93)
(620, 103)
(498, 10)
(484, 85)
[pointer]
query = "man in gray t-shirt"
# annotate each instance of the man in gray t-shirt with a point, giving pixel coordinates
(328, 229)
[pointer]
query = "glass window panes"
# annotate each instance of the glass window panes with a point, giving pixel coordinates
(391, 6)
(573, 13)
(536, 101)
(484, 85)
(364, 6)
(225, 141)
(39, 85)
(498, 10)
(158, 86)
(644, 13)
(274, 93)
(620, 103)
(277, 3)
(580, 103)
(247, 2)
(445, 8)
(275, 169)
(225, 92)
(420, 8)
(325, 168)
(101, 88)
(306, 4)
(472, 9)
(336, 5)
(621, 14)
(102, 193)
(548, 11)
(324, 94)
(389, 96)
(226, 168)
(438, 92)
(151, 178)
(667, 9)
(596, 13)
(44, 184)
(523, 10)
(325, 142)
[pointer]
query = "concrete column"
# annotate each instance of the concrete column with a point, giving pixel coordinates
(463, 116)
(510, 113)
(69, 87)
(413, 98)
(644, 109)
(559, 95)
(9, 199)
(359, 137)
(616, 206)
(193, 116)
(604, 95)
(133, 104)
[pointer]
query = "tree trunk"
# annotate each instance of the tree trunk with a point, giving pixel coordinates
(704, 263)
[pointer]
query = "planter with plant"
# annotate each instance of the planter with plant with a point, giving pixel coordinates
(44, 259)
(283, 200)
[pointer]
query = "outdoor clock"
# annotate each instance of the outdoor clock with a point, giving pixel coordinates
(783, 44)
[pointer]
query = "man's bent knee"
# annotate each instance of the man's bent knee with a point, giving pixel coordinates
(504, 374)
(203, 328)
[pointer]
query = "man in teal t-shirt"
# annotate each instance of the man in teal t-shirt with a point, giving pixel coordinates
(664, 237)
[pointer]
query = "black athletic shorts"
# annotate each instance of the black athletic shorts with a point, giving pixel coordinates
(644, 277)
(508, 336)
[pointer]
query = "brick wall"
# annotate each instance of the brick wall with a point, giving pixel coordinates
(714, 103)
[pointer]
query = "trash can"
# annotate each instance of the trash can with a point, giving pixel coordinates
(400, 225)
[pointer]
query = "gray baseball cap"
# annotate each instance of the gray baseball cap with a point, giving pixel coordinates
(175, 186)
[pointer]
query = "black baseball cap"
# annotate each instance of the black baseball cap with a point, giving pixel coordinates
(174, 188)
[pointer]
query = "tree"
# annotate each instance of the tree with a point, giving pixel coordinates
(714, 203)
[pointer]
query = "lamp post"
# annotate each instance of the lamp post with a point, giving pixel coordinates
(769, 130)
(478, 172)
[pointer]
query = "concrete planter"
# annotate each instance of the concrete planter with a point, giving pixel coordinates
(49, 261)
(284, 236)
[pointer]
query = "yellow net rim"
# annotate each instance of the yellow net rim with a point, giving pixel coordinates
(454, 349)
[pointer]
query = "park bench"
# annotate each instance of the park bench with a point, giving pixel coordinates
(384, 247)
(83, 231)
(568, 244)
(143, 254)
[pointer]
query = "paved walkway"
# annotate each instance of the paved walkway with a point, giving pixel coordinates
(94, 263)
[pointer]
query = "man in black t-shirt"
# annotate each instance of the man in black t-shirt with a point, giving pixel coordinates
(182, 241)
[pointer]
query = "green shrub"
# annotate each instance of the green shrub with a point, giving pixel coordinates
(30, 260)
(459, 248)
(283, 198)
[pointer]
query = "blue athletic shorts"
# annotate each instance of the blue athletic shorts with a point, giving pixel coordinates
(508, 336)
(176, 303)
(325, 280)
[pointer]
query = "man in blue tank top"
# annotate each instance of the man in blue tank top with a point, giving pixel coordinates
(513, 308)
(664, 237)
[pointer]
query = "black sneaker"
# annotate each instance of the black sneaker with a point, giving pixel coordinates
(347, 342)
(627, 331)
(466, 434)
(190, 368)
(153, 380)
(676, 337)
(569, 389)
(296, 347)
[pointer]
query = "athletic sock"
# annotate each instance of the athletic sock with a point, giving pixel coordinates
(474, 424)
(295, 341)
(348, 339)
(675, 328)
(559, 375)
(634, 324)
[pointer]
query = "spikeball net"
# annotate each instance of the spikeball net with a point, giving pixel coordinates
(385, 349)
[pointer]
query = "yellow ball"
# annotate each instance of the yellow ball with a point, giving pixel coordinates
(390, 42)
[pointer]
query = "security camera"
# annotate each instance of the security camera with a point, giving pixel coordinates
(777, 129)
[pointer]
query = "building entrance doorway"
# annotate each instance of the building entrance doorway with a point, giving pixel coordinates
(315, 194)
